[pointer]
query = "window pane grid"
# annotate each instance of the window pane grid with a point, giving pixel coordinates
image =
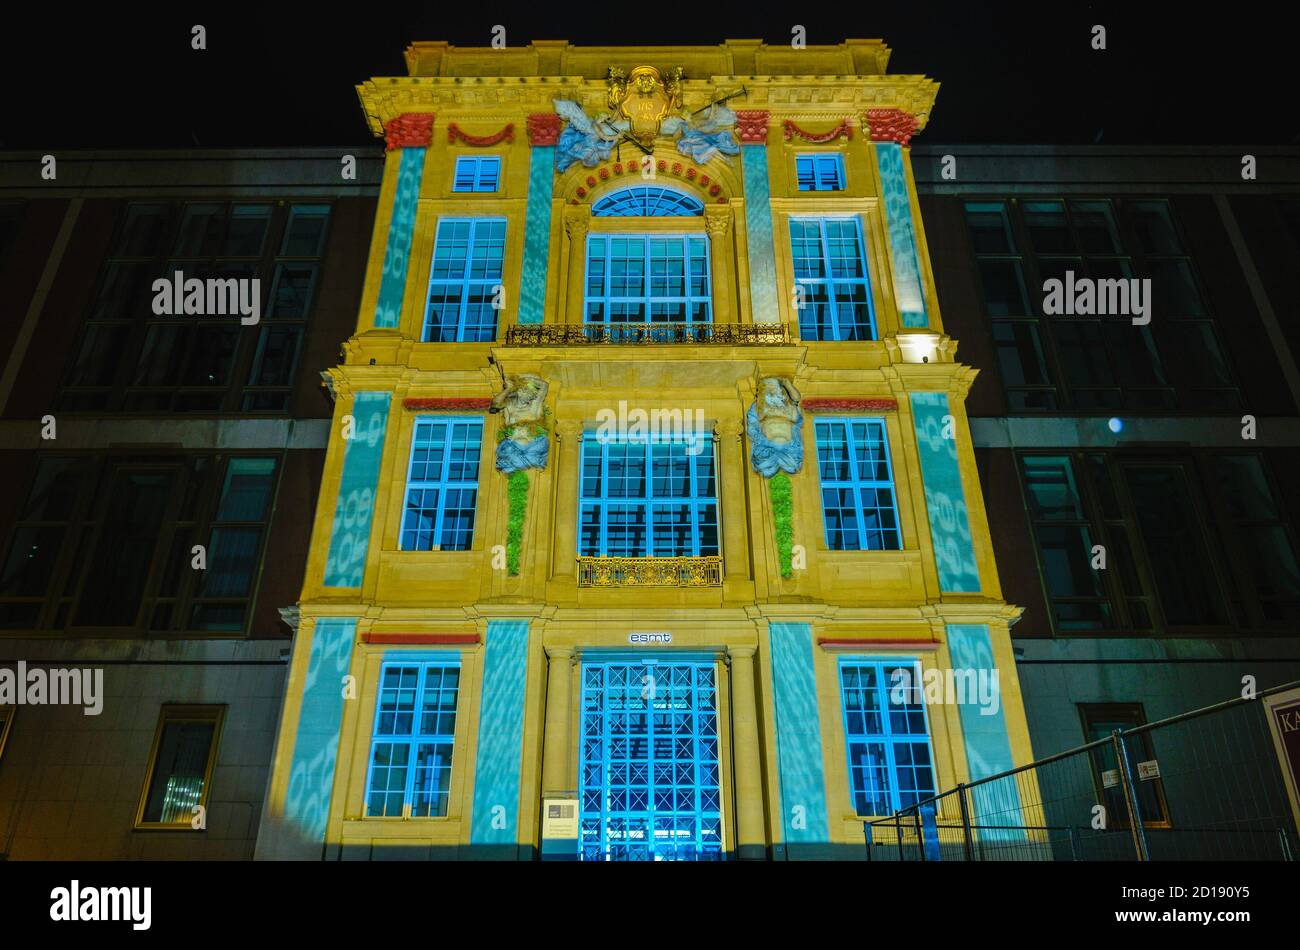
(477, 173)
(442, 485)
(411, 747)
(887, 736)
(671, 513)
(830, 270)
(468, 264)
(857, 484)
(648, 279)
(820, 172)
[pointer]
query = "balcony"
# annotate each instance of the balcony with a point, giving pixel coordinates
(706, 334)
(650, 571)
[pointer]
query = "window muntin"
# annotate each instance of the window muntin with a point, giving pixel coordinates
(887, 735)
(648, 279)
(830, 272)
(411, 745)
(442, 484)
(820, 171)
(129, 358)
(184, 755)
(648, 498)
(468, 264)
(859, 509)
(1098, 363)
(647, 201)
(109, 543)
(1099, 721)
(477, 173)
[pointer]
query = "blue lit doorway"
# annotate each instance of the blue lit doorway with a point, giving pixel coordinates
(649, 761)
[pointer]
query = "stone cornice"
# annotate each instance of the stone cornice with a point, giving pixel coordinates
(804, 99)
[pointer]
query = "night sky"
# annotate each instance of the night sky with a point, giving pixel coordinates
(126, 77)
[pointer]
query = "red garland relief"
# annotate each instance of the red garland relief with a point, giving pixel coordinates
(891, 125)
(817, 138)
(832, 404)
(409, 130)
(752, 126)
(454, 132)
(463, 404)
(543, 128)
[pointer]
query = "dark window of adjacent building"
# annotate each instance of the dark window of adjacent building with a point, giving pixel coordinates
(10, 215)
(1187, 542)
(1290, 208)
(108, 543)
(1100, 720)
(1096, 362)
(129, 358)
(180, 767)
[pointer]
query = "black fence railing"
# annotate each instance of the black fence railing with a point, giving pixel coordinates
(1204, 785)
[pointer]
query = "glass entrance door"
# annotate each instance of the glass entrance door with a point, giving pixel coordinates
(649, 762)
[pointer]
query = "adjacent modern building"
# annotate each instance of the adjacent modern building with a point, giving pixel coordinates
(613, 456)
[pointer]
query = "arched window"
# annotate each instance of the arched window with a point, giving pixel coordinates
(646, 201)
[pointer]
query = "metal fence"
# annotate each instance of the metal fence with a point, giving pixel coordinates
(1204, 785)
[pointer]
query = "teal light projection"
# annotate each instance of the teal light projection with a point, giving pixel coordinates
(354, 511)
(758, 230)
(397, 252)
(537, 234)
(908, 291)
(798, 739)
(495, 819)
(945, 500)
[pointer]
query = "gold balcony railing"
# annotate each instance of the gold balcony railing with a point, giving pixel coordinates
(650, 571)
(624, 334)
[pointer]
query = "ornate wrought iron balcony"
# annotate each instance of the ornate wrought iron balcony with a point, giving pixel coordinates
(718, 334)
(650, 571)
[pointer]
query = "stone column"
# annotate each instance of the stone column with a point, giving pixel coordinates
(722, 262)
(735, 517)
(567, 468)
(751, 840)
(577, 222)
(556, 782)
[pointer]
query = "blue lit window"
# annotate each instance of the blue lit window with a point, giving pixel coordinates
(858, 503)
(654, 279)
(821, 172)
(830, 270)
(890, 766)
(468, 254)
(442, 485)
(415, 728)
(647, 202)
(477, 173)
(648, 498)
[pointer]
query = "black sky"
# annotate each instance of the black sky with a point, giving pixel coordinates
(126, 77)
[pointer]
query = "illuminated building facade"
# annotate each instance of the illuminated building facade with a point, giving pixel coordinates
(648, 470)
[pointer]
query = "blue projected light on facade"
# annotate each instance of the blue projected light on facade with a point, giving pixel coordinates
(649, 781)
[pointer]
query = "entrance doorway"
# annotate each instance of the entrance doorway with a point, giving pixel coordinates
(649, 762)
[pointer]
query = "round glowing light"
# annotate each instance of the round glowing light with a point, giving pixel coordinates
(1115, 425)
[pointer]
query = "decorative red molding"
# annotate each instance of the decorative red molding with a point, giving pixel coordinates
(455, 132)
(752, 126)
(817, 138)
(446, 639)
(833, 404)
(691, 173)
(543, 128)
(891, 125)
(870, 643)
(409, 130)
(464, 403)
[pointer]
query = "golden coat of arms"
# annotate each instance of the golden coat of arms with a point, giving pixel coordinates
(645, 99)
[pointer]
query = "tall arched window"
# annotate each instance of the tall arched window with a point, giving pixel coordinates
(647, 201)
(648, 283)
